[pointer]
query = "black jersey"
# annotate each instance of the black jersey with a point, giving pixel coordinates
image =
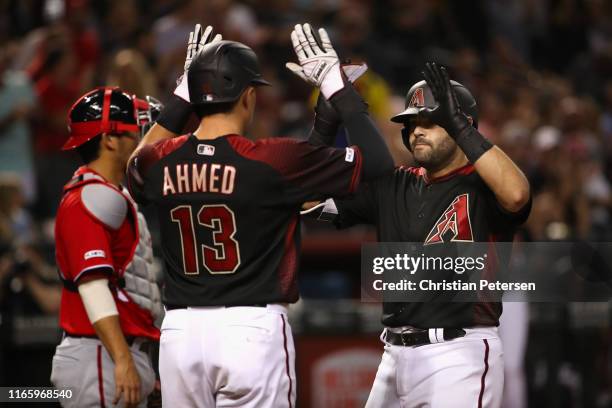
(228, 212)
(406, 206)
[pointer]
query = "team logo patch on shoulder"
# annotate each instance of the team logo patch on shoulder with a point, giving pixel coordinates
(96, 253)
(206, 150)
(454, 225)
(350, 155)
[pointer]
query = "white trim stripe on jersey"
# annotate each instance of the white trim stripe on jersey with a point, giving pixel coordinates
(76, 278)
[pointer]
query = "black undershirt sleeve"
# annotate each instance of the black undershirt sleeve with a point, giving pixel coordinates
(362, 132)
(359, 208)
(326, 123)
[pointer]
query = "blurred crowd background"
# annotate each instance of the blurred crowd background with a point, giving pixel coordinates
(541, 71)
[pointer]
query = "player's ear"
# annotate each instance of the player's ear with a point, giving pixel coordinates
(247, 102)
(108, 142)
(249, 98)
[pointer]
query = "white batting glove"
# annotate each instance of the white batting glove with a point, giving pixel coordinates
(197, 40)
(319, 67)
(352, 71)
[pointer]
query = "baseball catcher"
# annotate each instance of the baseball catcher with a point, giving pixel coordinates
(110, 300)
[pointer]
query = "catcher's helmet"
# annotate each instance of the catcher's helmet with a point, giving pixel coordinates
(419, 97)
(221, 71)
(109, 110)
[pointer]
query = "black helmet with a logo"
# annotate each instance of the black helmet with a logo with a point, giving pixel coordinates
(419, 97)
(221, 71)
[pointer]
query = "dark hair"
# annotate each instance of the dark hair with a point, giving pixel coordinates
(90, 150)
(213, 108)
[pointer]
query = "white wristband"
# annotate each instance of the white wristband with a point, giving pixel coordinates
(182, 89)
(97, 299)
(332, 82)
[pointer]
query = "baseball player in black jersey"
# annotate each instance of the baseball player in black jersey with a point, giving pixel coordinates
(465, 189)
(228, 210)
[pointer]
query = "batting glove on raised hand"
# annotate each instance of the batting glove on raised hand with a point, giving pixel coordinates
(197, 40)
(448, 113)
(327, 120)
(318, 65)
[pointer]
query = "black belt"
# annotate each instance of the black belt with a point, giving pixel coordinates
(421, 337)
(175, 307)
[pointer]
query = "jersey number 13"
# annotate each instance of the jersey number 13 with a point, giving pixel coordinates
(224, 255)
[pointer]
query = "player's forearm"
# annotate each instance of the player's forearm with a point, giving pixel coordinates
(109, 332)
(321, 138)
(504, 178)
(102, 313)
(362, 132)
(156, 133)
(172, 119)
(326, 124)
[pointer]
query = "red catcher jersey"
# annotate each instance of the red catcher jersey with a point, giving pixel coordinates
(228, 211)
(87, 249)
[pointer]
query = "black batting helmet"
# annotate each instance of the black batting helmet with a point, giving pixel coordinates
(419, 97)
(221, 71)
(109, 110)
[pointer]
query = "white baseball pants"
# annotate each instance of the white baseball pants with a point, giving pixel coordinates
(227, 357)
(466, 372)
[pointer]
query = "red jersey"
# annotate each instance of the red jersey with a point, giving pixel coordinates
(89, 246)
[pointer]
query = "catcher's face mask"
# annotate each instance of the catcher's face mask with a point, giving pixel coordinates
(109, 110)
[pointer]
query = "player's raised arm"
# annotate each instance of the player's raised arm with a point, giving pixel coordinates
(498, 171)
(320, 66)
(327, 120)
(177, 110)
(326, 123)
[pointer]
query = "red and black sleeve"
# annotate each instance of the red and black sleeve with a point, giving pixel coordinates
(309, 172)
(140, 165)
(360, 208)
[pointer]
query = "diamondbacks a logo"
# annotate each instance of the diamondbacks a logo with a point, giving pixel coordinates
(418, 98)
(454, 224)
